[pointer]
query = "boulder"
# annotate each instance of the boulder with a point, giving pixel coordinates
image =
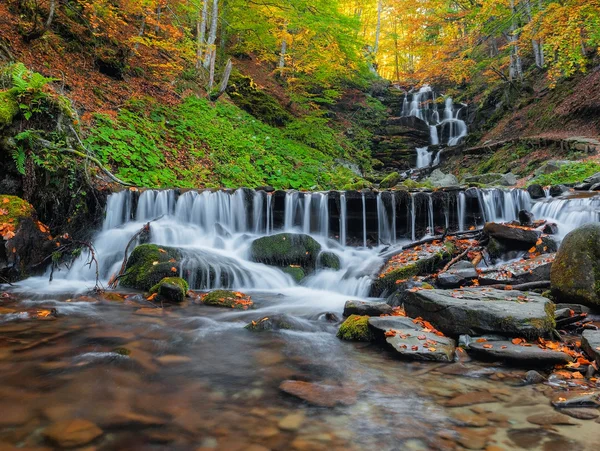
(526, 218)
(171, 289)
(475, 311)
(440, 180)
(513, 236)
(329, 260)
(508, 179)
(148, 264)
(558, 190)
(390, 180)
(285, 249)
(278, 322)
(536, 269)
(410, 341)
(593, 179)
(227, 299)
(575, 273)
(396, 299)
(590, 342)
(296, 272)
(363, 308)
(355, 328)
(518, 354)
(550, 229)
(551, 166)
(457, 275)
(536, 191)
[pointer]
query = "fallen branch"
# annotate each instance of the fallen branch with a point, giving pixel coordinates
(113, 177)
(114, 281)
(45, 340)
(521, 287)
(464, 234)
(457, 258)
(70, 246)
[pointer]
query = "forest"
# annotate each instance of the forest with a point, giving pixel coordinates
(306, 225)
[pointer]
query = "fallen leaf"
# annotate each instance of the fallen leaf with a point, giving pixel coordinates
(488, 346)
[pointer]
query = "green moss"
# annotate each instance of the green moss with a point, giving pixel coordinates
(148, 264)
(14, 210)
(285, 249)
(9, 108)
(181, 283)
(227, 299)
(355, 328)
(412, 184)
(329, 260)
(357, 186)
(390, 180)
(297, 273)
(164, 288)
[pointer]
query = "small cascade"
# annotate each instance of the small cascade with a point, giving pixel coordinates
(364, 215)
(343, 219)
(503, 206)
(423, 157)
(462, 211)
(569, 212)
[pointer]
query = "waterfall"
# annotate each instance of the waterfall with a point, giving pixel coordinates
(423, 157)
(343, 220)
(503, 206)
(307, 213)
(364, 216)
(462, 211)
(569, 213)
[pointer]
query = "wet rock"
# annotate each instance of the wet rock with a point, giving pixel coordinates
(227, 299)
(396, 299)
(319, 394)
(148, 264)
(582, 413)
(511, 236)
(474, 311)
(533, 377)
(558, 190)
(440, 180)
(526, 218)
(575, 273)
(366, 308)
(329, 260)
(457, 275)
(518, 354)
(278, 322)
(565, 400)
(295, 271)
(536, 191)
(355, 328)
(390, 180)
(285, 249)
(549, 419)
(590, 342)
(72, 433)
(536, 269)
(291, 422)
(171, 289)
(471, 398)
(492, 179)
(550, 229)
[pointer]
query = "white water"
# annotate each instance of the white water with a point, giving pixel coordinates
(424, 157)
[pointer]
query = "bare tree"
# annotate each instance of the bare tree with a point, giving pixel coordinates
(378, 28)
(212, 35)
(201, 32)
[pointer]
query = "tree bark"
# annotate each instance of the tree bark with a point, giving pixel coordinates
(378, 28)
(201, 33)
(211, 80)
(515, 69)
(282, 53)
(51, 13)
(212, 35)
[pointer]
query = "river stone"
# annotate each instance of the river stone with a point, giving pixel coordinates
(550, 229)
(558, 190)
(476, 311)
(321, 395)
(457, 275)
(285, 249)
(279, 322)
(582, 413)
(72, 433)
(171, 289)
(549, 419)
(533, 377)
(514, 237)
(536, 191)
(588, 398)
(526, 218)
(148, 264)
(590, 342)
(517, 354)
(390, 180)
(575, 273)
(536, 269)
(366, 308)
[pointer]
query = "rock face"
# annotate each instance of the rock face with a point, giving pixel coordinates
(148, 264)
(512, 236)
(590, 342)
(575, 273)
(363, 308)
(475, 311)
(411, 342)
(171, 289)
(285, 249)
(525, 355)
(457, 275)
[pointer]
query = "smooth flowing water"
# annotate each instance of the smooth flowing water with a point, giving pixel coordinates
(192, 377)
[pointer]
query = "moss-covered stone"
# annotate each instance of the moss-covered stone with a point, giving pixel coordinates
(390, 180)
(227, 299)
(355, 328)
(329, 260)
(171, 288)
(9, 108)
(296, 272)
(357, 186)
(274, 322)
(285, 249)
(13, 209)
(575, 274)
(148, 264)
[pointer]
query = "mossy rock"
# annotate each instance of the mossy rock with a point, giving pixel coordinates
(357, 186)
(575, 274)
(276, 322)
(390, 180)
(329, 260)
(227, 299)
(172, 289)
(296, 272)
(148, 264)
(355, 328)
(13, 209)
(9, 108)
(285, 249)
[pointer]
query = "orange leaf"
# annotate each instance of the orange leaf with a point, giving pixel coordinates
(488, 346)
(5, 200)
(152, 297)
(517, 341)
(173, 269)
(481, 340)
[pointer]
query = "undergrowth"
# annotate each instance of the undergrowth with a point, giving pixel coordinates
(567, 174)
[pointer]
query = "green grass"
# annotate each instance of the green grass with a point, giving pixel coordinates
(570, 173)
(197, 144)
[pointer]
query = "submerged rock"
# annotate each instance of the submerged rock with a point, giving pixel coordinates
(227, 299)
(364, 308)
(575, 273)
(474, 311)
(296, 272)
(285, 249)
(72, 433)
(173, 289)
(321, 395)
(518, 354)
(278, 322)
(355, 328)
(148, 264)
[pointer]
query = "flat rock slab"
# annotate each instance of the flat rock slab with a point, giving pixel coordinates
(365, 308)
(507, 351)
(517, 236)
(590, 342)
(319, 394)
(536, 269)
(411, 341)
(480, 311)
(568, 400)
(471, 398)
(549, 419)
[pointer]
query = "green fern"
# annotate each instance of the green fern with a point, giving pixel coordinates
(18, 155)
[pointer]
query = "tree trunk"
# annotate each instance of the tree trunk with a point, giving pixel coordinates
(158, 13)
(142, 30)
(516, 69)
(51, 13)
(212, 35)
(378, 29)
(282, 54)
(201, 33)
(211, 80)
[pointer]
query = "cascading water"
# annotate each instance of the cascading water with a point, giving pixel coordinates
(449, 131)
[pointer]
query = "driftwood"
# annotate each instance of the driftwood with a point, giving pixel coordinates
(114, 281)
(457, 258)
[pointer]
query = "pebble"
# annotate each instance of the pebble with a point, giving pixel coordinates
(291, 422)
(72, 433)
(533, 377)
